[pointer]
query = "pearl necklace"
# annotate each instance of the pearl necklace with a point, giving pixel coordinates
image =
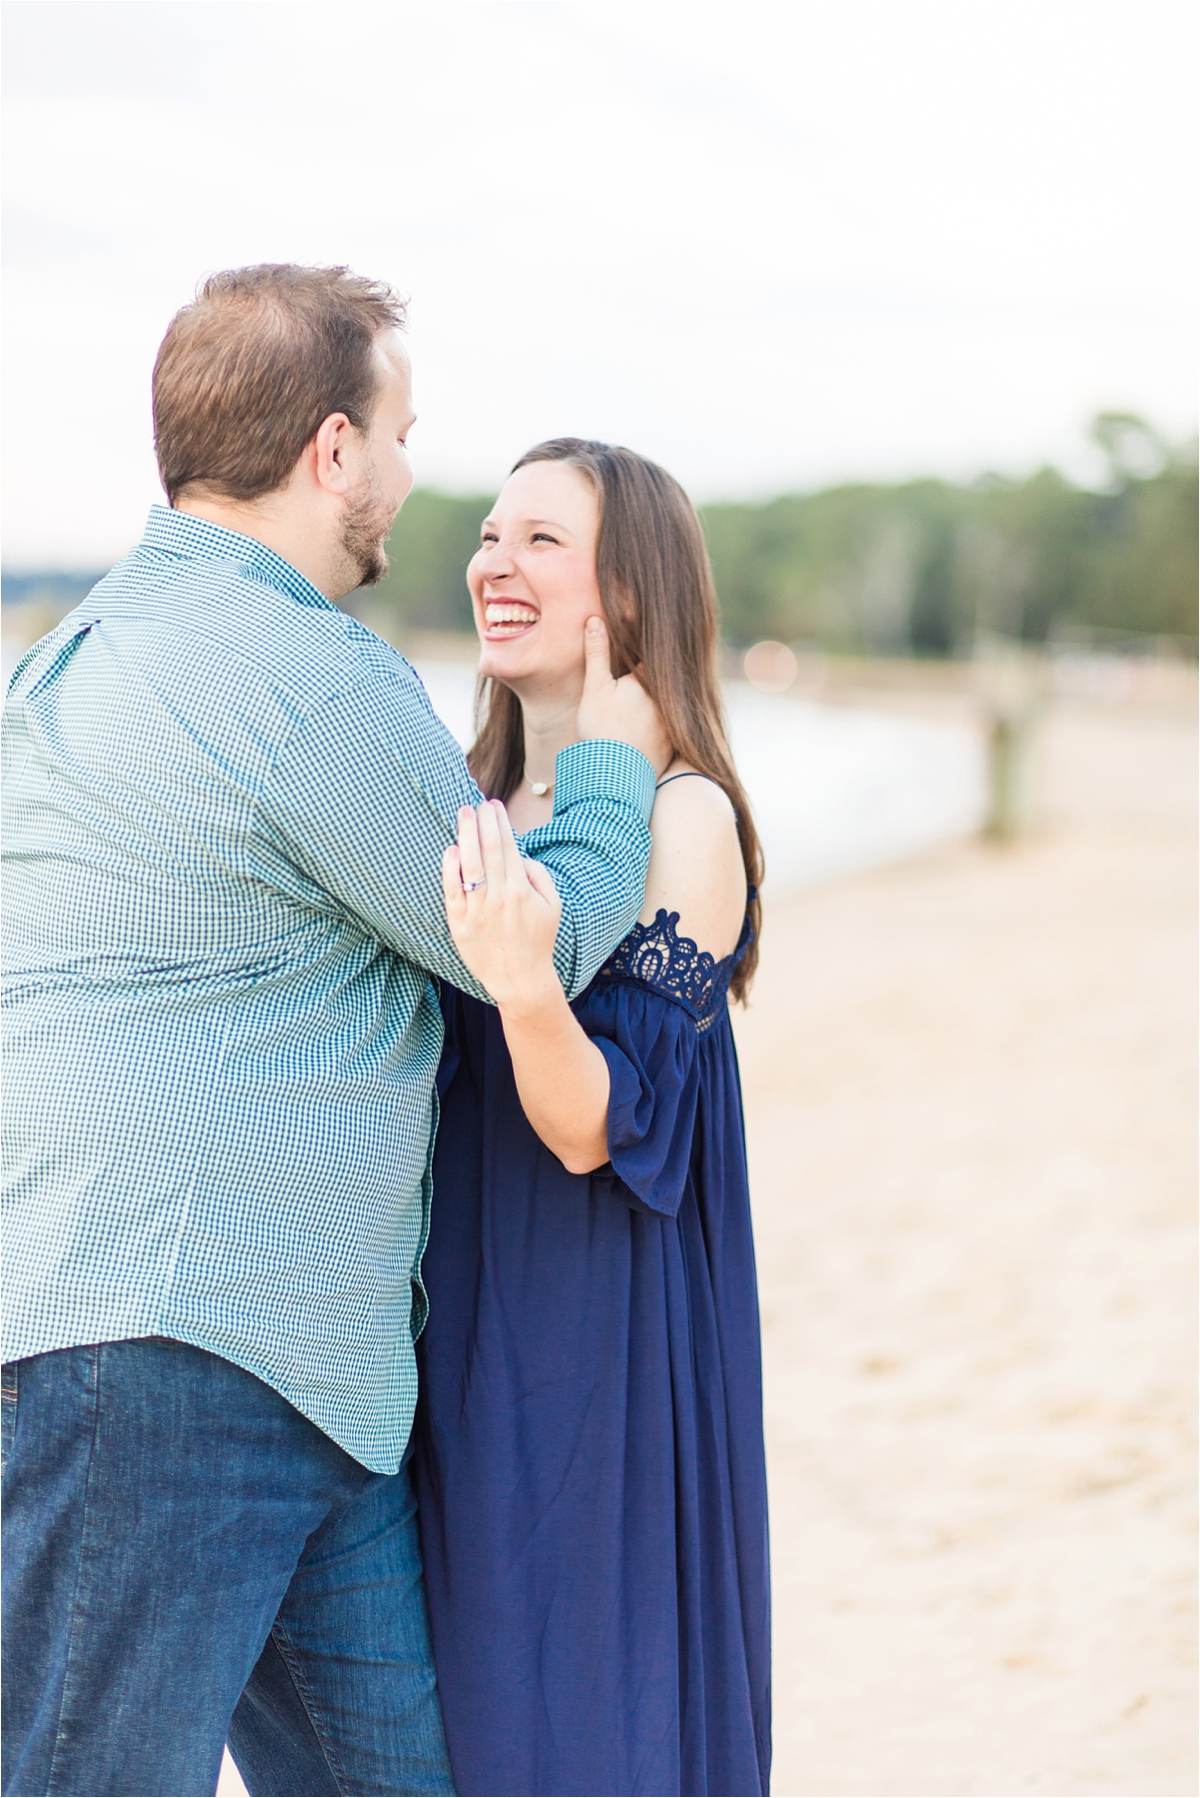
(540, 787)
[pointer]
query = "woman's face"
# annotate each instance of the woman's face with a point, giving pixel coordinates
(533, 582)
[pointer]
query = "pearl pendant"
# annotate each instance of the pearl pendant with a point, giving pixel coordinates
(539, 787)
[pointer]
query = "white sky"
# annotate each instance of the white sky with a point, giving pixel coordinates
(772, 246)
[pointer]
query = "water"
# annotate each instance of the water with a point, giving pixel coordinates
(833, 789)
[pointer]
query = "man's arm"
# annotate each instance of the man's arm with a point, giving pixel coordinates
(364, 798)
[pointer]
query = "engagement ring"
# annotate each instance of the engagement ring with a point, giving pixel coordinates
(468, 886)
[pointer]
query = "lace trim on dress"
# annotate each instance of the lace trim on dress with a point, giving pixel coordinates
(656, 956)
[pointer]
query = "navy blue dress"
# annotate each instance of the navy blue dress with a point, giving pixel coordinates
(589, 1450)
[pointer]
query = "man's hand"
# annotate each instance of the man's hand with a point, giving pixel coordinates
(621, 709)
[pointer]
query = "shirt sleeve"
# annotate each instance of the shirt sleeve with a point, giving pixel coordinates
(364, 797)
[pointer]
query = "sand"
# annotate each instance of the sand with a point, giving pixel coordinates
(970, 1092)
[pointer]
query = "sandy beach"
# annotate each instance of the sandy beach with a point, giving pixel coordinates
(969, 1087)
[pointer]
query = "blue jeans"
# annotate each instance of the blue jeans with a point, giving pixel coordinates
(188, 1560)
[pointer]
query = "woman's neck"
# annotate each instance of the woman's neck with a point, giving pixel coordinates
(550, 724)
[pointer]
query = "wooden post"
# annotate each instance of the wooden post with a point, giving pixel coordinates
(1011, 684)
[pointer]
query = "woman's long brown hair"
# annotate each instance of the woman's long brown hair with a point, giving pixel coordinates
(660, 605)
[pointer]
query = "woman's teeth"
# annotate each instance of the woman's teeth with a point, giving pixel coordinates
(509, 617)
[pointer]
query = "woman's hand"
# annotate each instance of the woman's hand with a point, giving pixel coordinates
(503, 911)
(504, 926)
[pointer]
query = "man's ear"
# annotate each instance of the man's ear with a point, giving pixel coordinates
(330, 447)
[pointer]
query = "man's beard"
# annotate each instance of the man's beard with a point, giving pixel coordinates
(365, 530)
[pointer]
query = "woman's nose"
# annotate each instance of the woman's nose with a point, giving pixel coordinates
(494, 562)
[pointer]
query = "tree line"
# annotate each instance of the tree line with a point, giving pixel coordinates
(919, 568)
(916, 568)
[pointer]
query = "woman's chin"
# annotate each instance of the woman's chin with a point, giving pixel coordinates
(511, 660)
(496, 660)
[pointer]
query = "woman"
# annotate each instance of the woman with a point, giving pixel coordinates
(589, 1452)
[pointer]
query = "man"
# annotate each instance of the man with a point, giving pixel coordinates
(228, 807)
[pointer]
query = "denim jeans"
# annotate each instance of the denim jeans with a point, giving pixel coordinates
(188, 1560)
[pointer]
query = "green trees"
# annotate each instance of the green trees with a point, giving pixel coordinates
(920, 568)
(917, 568)
(432, 541)
(1143, 554)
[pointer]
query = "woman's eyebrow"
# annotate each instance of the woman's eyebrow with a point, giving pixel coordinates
(529, 523)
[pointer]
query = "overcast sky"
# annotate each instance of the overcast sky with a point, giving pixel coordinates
(773, 246)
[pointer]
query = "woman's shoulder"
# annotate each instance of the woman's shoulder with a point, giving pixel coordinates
(696, 867)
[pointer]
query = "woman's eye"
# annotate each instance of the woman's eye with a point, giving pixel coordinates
(489, 537)
(543, 537)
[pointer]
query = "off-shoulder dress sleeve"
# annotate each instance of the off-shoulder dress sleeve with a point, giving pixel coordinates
(651, 1046)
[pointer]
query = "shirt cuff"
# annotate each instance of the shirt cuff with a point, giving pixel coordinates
(600, 768)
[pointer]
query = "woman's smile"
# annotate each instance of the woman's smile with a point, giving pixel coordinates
(504, 618)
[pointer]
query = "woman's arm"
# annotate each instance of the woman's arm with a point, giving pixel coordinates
(562, 1079)
(696, 866)
(503, 914)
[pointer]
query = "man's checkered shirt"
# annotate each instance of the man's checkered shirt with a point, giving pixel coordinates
(227, 806)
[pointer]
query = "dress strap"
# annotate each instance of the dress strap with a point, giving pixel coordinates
(688, 774)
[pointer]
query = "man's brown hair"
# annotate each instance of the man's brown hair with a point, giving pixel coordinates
(247, 373)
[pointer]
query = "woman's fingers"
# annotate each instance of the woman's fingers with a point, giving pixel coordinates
(622, 709)
(486, 868)
(504, 922)
(503, 822)
(452, 892)
(492, 847)
(471, 864)
(542, 882)
(515, 865)
(519, 871)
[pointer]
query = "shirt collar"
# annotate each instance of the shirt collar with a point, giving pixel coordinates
(196, 540)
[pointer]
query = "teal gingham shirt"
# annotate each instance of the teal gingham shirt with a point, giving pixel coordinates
(227, 805)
